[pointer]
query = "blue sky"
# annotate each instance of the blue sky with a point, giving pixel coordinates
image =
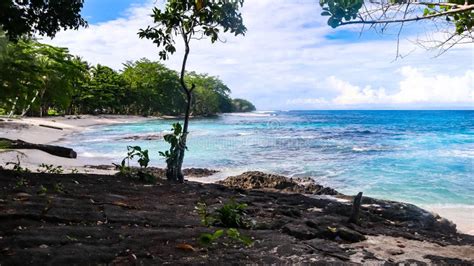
(290, 59)
(96, 11)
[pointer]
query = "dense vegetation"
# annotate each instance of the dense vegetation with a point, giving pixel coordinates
(38, 79)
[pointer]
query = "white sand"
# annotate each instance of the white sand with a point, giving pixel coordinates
(462, 215)
(401, 249)
(29, 129)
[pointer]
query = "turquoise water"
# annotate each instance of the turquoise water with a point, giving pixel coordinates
(423, 157)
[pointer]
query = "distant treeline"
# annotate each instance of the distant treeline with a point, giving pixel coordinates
(38, 79)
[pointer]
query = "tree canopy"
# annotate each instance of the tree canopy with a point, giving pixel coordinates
(37, 79)
(44, 17)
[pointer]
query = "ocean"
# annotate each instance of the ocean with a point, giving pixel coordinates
(421, 157)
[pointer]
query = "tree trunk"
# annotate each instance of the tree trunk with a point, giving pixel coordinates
(51, 149)
(174, 167)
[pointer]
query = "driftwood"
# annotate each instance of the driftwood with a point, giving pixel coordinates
(51, 149)
(53, 127)
(354, 218)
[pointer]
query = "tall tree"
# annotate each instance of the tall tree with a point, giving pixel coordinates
(43, 17)
(187, 19)
(154, 89)
(455, 18)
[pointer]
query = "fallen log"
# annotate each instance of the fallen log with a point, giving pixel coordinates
(51, 149)
(53, 127)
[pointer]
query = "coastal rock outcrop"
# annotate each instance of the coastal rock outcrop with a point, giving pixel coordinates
(260, 180)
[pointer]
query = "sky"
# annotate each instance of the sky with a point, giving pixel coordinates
(290, 59)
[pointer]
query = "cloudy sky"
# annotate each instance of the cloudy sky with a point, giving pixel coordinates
(290, 59)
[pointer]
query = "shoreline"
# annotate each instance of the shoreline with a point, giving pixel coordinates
(29, 129)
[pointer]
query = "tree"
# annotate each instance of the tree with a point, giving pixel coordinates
(35, 75)
(104, 92)
(210, 95)
(187, 19)
(242, 106)
(154, 89)
(456, 16)
(44, 17)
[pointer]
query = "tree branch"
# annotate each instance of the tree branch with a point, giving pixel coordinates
(461, 9)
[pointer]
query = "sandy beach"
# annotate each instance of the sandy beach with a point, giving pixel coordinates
(52, 129)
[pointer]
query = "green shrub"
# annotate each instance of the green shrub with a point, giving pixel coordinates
(50, 169)
(231, 215)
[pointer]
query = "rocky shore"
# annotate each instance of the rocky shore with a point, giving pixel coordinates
(94, 219)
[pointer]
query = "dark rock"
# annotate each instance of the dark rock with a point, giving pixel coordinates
(350, 235)
(300, 231)
(438, 260)
(143, 137)
(199, 172)
(260, 180)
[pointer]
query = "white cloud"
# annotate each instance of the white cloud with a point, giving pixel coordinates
(285, 55)
(415, 89)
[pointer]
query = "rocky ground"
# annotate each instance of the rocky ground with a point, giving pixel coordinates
(91, 219)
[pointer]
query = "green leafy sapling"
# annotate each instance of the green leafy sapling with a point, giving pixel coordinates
(187, 20)
(231, 215)
(172, 155)
(143, 161)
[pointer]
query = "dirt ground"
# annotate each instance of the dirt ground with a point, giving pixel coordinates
(94, 219)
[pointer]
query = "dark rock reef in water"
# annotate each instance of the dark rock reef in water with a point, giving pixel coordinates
(104, 219)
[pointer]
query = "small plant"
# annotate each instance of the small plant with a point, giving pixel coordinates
(21, 183)
(59, 188)
(74, 171)
(17, 166)
(206, 218)
(143, 160)
(50, 169)
(175, 139)
(231, 215)
(42, 190)
(208, 238)
(231, 233)
(234, 234)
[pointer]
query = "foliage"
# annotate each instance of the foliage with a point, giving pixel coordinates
(50, 169)
(173, 138)
(143, 161)
(231, 233)
(38, 79)
(42, 190)
(59, 188)
(231, 215)
(17, 166)
(152, 88)
(185, 18)
(36, 76)
(210, 95)
(455, 16)
(241, 105)
(21, 183)
(19, 18)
